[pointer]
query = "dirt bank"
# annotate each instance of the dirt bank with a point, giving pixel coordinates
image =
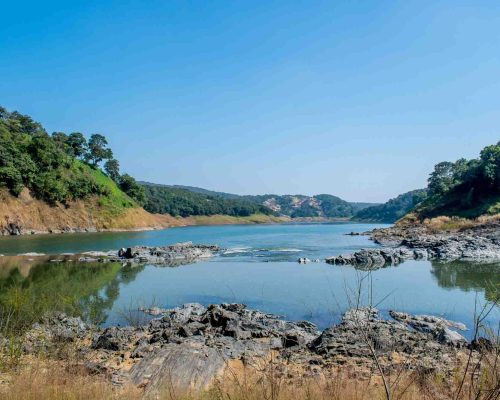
(25, 215)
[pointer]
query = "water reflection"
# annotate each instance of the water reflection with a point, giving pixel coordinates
(98, 292)
(30, 288)
(468, 276)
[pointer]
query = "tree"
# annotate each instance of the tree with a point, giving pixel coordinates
(112, 168)
(130, 186)
(490, 160)
(441, 179)
(97, 149)
(60, 139)
(77, 144)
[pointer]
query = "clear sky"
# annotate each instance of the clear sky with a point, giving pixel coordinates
(354, 98)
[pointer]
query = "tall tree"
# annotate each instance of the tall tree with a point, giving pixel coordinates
(130, 186)
(98, 149)
(112, 168)
(61, 139)
(490, 159)
(77, 143)
(441, 179)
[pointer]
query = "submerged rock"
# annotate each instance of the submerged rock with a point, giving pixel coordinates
(377, 258)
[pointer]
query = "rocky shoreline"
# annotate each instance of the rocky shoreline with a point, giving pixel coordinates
(413, 242)
(192, 345)
(13, 229)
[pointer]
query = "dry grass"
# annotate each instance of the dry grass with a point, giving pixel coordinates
(440, 224)
(443, 223)
(485, 219)
(36, 215)
(51, 380)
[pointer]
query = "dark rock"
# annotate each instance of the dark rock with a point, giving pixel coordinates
(113, 338)
(189, 346)
(482, 344)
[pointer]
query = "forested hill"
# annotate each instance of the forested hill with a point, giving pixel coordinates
(299, 206)
(64, 182)
(177, 201)
(464, 188)
(394, 209)
(180, 200)
(60, 167)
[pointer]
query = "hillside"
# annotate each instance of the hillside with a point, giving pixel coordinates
(393, 209)
(294, 206)
(464, 188)
(300, 206)
(176, 201)
(53, 183)
(70, 183)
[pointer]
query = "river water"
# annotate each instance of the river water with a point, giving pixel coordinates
(258, 267)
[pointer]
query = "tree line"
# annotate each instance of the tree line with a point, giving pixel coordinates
(465, 187)
(183, 202)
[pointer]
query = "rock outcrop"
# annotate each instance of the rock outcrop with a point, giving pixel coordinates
(481, 243)
(178, 253)
(192, 345)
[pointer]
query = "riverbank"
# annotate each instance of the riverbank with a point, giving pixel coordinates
(443, 239)
(194, 348)
(27, 216)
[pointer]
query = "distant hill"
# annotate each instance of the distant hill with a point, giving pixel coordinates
(294, 206)
(180, 201)
(464, 188)
(195, 190)
(394, 209)
(299, 206)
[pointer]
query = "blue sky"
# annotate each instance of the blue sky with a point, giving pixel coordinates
(354, 98)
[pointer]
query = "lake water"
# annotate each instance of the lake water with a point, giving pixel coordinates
(259, 268)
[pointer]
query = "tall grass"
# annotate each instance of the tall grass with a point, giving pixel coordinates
(43, 380)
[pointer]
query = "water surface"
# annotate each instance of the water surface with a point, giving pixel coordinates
(258, 268)
(276, 242)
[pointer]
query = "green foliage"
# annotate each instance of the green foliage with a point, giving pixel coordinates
(85, 291)
(335, 207)
(49, 166)
(130, 186)
(98, 149)
(394, 209)
(490, 164)
(184, 203)
(323, 205)
(77, 144)
(112, 168)
(465, 188)
(114, 199)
